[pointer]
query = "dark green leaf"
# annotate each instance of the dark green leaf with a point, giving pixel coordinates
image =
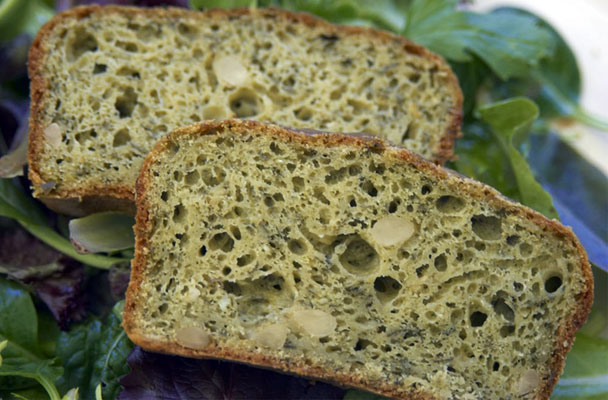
(509, 44)
(509, 121)
(93, 353)
(23, 356)
(102, 232)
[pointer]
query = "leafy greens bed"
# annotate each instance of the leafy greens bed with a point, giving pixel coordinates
(62, 282)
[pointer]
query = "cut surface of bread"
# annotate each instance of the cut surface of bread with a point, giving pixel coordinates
(342, 258)
(107, 82)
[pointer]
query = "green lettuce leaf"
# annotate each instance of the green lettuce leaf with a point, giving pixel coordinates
(15, 204)
(94, 353)
(511, 45)
(23, 356)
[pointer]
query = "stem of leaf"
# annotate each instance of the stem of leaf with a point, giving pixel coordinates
(591, 120)
(58, 242)
(50, 388)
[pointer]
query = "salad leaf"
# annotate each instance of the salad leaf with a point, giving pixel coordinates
(119, 277)
(61, 5)
(57, 280)
(18, 16)
(586, 372)
(94, 353)
(102, 232)
(17, 205)
(556, 84)
(171, 377)
(495, 160)
(510, 45)
(22, 357)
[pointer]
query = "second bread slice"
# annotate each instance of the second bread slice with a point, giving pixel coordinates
(107, 82)
(343, 259)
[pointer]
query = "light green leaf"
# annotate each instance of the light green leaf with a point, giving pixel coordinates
(586, 372)
(509, 121)
(15, 204)
(102, 232)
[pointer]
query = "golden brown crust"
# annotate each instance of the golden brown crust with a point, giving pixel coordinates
(39, 87)
(143, 227)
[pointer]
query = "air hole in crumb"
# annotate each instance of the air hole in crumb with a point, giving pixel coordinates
(507, 330)
(369, 188)
(486, 227)
(359, 257)
(275, 148)
(192, 177)
(179, 213)
(502, 308)
(426, 189)
(449, 204)
(495, 366)
(387, 288)
(226, 271)
(121, 138)
(478, 318)
(362, 344)
(244, 260)
(81, 42)
(221, 241)
(232, 288)
(392, 206)
(512, 240)
(297, 246)
(245, 103)
(127, 46)
(99, 69)
(126, 102)
(525, 249)
(552, 284)
(164, 196)
(203, 250)
(441, 263)
(303, 114)
(298, 183)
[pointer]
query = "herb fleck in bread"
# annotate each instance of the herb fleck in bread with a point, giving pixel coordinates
(108, 82)
(340, 258)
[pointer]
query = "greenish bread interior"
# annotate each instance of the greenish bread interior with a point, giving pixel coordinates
(118, 79)
(351, 259)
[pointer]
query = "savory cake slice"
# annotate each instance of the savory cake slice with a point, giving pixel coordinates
(344, 259)
(107, 82)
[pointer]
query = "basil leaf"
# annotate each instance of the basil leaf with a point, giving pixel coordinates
(15, 204)
(23, 357)
(555, 85)
(93, 353)
(509, 44)
(102, 232)
(509, 121)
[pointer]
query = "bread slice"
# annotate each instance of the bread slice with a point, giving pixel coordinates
(108, 82)
(344, 259)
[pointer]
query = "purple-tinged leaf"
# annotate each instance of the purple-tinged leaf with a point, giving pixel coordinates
(158, 376)
(119, 280)
(57, 280)
(62, 5)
